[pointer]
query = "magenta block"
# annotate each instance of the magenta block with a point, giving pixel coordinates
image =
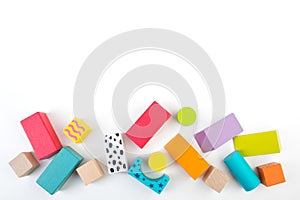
(219, 133)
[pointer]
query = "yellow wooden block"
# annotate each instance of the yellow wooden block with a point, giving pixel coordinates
(77, 130)
(257, 143)
(157, 161)
(186, 156)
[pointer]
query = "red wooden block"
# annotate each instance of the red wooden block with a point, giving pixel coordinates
(41, 135)
(148, 124)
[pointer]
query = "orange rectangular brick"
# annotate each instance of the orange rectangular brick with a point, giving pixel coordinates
(186, 156)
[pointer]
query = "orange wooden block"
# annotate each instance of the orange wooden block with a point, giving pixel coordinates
(186, 156)
(271, 174)
(215, 178)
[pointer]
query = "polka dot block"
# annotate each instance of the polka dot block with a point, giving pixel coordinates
(271, 174)
(186, 116)
(157, 161)
(115, 154)
(90, 171)
(157, 185)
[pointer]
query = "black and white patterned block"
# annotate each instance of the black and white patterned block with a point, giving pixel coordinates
(115, 154)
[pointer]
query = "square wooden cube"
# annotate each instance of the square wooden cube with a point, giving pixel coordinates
(90, 171)
(24, 164)
(215, 178)
(271, 174)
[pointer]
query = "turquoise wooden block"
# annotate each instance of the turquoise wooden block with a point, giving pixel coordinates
(241, 170)
(59, 170)
(157, 185)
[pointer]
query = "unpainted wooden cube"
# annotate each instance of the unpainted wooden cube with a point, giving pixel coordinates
(90, 171)
(24, 164)
(215, 178)
(271, 174)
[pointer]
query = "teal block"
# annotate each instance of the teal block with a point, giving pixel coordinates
(242, 171)
(157, 185)
(59, 170)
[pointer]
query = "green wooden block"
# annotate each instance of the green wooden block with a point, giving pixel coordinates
(257, 143)
(59, 170)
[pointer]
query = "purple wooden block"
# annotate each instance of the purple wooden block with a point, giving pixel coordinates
(219, 133)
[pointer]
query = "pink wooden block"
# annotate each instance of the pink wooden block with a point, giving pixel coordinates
(41, 135)
(148, 124)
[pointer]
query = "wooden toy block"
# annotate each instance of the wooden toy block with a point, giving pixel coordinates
(186, 156)
(115, 153)
(24, 164)
(41, 135)
(148, 124)
(271, 174)
(257, 143)
(215, 178)
(241, 170)
(157, 185)
(77, 130)
(219, 133)
(90, 171)
(59, 170)
(157, 161)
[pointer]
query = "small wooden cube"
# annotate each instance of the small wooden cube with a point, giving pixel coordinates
(90, 171)
(215, 179)
(271, 174)
(24, 164)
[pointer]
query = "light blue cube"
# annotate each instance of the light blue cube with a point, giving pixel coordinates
(59, 170)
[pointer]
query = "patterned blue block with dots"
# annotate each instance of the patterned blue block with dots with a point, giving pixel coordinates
(157, 185)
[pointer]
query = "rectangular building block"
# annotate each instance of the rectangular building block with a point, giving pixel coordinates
(115, 153)
(257, 143)
(271, 174)
(77, 130)
(186, 156)
(215, 178)
(148, 124)
(90, 171)
(219, 133)
(59, 170)
(41, 135)
(24, 164)
(157, 185)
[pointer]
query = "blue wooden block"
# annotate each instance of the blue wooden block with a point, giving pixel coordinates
(157, 185)
(59, 170)
(242, 171)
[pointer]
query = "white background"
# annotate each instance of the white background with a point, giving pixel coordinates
(255, 46)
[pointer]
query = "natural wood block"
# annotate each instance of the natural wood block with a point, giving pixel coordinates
(271, 174)
(24, 164)
(215, 178)
(90, 171)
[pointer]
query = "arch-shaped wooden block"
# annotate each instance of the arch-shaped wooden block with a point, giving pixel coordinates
(157, 185)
